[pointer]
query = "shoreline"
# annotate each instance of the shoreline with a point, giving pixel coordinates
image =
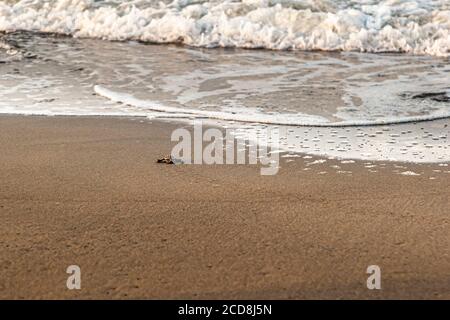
(211, 123)
(87, 191)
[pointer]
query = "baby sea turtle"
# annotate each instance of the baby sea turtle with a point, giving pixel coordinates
(166, 160)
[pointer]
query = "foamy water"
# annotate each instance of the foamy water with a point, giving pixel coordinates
(345, 104)
(413, 26)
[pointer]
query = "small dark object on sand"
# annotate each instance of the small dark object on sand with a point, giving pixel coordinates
(166, 160)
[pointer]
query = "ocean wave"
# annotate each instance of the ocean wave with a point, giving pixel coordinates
(419, 27)
(300, 120)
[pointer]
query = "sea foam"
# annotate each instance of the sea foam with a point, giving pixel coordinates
(419, 27)
(257, 117)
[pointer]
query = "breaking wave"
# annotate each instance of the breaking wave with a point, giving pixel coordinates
(419, 27)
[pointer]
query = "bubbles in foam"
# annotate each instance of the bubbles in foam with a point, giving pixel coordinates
(413, 26)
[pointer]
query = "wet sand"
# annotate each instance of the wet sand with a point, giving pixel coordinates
(87, 191)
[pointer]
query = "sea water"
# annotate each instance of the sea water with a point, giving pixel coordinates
(348, 79)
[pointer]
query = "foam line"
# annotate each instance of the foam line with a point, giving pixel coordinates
(281, 119)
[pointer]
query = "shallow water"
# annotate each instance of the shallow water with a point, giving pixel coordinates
(291, 88)
(312, 92)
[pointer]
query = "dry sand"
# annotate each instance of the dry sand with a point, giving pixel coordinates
(87, 191)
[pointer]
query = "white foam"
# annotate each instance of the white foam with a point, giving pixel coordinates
(376, 148)
(254, 116)
(245, 115)
(413, 26)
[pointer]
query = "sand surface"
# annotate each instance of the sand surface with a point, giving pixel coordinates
(87, 191)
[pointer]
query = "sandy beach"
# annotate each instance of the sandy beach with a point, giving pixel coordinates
(88, 191)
